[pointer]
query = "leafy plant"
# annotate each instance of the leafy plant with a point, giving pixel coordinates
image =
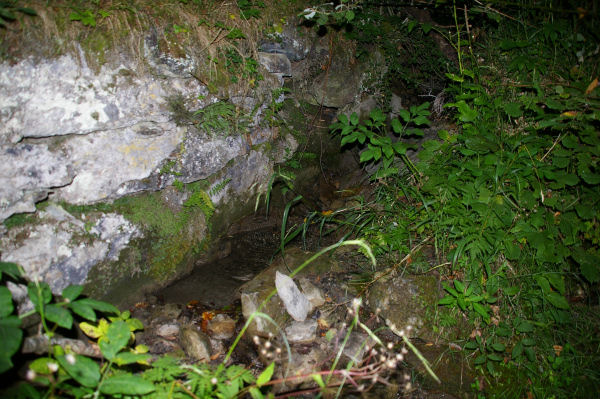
(374, 133)
(217, 117)
(250, 8)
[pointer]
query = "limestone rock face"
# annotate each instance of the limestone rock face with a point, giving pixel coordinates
(74, 134)
(49, 251)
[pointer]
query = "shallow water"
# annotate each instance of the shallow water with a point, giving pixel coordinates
(215, 284)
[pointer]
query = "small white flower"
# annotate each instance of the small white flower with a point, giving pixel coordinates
(70, 358)
(53, 367)
(30, 375)
(214, 381)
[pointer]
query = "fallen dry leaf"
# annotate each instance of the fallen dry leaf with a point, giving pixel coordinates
(591, 86)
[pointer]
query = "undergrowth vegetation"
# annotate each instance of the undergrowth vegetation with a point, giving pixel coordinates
(507, 195)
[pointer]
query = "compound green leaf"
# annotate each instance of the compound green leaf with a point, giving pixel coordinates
(116, 338)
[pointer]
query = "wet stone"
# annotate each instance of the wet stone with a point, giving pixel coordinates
(195, 344)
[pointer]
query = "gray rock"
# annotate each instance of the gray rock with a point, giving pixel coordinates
(275, 63)
(25, 182)
(195, 344)
(51, 251)
(356, 347)
(170, 330)
(254, 292)
(301, 332)
(295, 302)
(404, 301)
(312, 293)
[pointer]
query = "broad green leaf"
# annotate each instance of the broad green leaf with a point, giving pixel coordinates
(12, 269)
(84, 370)
(377, 115)
(40, 365)
(90, 330)
(367, 155)
(495, 357)
(498, 347)
(482, 311)
(503, 332)
(387, 151)
(116, 338)
(479, 360)
(447, 300)
(349, 15)
(513, 109)
(344, 119)
(10, 340)
(543, 283)
(134, 324)
(6, 302)
(126, 384)
(40, 294)
(396, 126)
(353, 119)
(83, 310)
(557, 281)
(400, 148)
(471, 345)
(421, 120)
(256, 393)
(517, 350)
(528, 341)
(72, 292)
(460, 287)
(530, 354)
(266, 375)
(461, 303)
(101, 306)
(589, 177)
(351, 138)
(59, 315)
(404, 114)
(466, 113)
(525, 327)
(557, 300)
(589, 264)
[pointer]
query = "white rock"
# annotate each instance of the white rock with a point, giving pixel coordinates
(296, 304)
(302, 332)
